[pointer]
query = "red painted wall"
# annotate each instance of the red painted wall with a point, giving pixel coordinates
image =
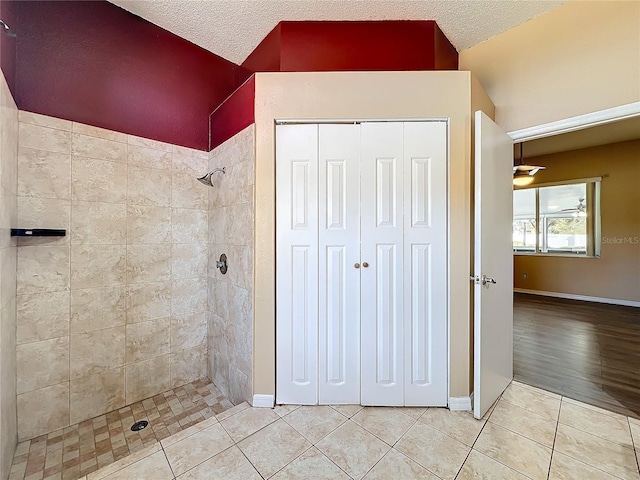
(234, 115)
(95, 63)
(340, 46)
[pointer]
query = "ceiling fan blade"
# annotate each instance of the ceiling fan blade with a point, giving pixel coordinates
(528, 168)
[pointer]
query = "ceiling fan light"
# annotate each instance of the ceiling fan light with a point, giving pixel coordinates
(521, 179)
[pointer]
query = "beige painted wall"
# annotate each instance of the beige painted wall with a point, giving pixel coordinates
(581, 57)
(616, 274)
(363, 95)
(115, 311)
(8, 256)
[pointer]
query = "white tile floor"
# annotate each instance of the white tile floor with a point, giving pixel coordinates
(530, 434)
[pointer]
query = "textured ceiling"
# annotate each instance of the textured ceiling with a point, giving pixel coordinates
(233, 28)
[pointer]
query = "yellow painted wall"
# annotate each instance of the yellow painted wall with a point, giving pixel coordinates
(581, 57)
(616, 274)
(363, 95)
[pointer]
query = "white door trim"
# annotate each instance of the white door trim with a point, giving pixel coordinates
(579, 122)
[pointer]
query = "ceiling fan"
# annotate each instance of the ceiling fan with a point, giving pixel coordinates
(579, 210)
(523, 174)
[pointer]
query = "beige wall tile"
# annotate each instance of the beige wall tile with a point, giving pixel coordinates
(146, 340)
(148, 143)
(93, 395)
(149, 157)
(148, 186)
(42, 411)
(187, 191)
(189, 226)
(8, 266)
(43, 269)
(147, 301)
(44, 213)
(42, 316)
(188, 331)
(189, 152)
(189, 260)
(44, 138)
(188, 365)
(98, 180)
(240, 261)
(148, 224)
(148, 263)
(97, 308)
(193, 165)
(97, 265)
(239, 386)
(188, 295)
(8, 215)
(98, 132)
(8, 262)
(98, 223)
(44, 121)
(145, 379)
(44, 174)
(97, 351)
(99, 148)
(41, 364)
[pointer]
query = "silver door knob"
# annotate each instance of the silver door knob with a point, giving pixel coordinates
(365, 265)
(488, 280)
(357, 265)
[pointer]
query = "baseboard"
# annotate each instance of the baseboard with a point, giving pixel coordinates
(584, 298)
(460, 404)
(263, 401)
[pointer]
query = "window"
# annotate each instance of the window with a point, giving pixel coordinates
(560, 218)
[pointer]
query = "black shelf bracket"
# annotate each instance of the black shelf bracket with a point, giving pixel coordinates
(37, 232)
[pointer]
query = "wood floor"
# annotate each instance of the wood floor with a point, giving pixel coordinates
(583, 350)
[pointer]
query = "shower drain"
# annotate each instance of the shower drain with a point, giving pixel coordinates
(142, 424)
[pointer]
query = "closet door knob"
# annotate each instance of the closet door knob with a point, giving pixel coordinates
(357, 265)
(365, 265)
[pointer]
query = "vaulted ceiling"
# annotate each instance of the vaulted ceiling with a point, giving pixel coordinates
(233, 28)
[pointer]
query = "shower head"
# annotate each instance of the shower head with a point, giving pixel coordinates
(206, 179)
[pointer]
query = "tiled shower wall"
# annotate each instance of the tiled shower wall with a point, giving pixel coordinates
(8, 255)
(115, 311)
(231, 217)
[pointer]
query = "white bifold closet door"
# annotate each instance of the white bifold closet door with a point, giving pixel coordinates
(361, 263)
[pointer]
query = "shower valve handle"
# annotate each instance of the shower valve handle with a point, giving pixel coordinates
(222, 264)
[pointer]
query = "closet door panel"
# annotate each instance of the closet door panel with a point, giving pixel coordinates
(297, 264)
(425, 267)
(382, 251)
(339, 251)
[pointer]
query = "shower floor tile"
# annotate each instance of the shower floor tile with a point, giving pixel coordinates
(80, 449)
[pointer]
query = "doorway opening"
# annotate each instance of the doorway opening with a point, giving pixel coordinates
(577, 265)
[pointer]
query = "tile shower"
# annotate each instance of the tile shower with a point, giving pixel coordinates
(129, 303)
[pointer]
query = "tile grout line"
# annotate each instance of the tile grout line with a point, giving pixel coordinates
(555, 435)
(478, 437)
(633, 445)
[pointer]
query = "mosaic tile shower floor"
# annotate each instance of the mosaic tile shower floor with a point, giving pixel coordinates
(80, 449)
